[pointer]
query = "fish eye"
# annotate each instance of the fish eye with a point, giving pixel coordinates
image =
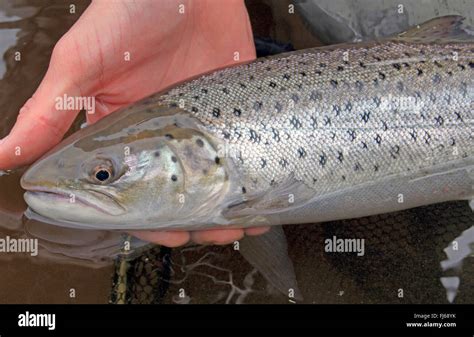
(102, 174)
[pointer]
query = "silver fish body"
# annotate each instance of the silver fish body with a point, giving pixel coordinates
(314, 135)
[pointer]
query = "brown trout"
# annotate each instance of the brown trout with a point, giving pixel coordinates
(309, 136)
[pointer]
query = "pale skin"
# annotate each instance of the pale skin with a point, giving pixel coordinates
(165, 47)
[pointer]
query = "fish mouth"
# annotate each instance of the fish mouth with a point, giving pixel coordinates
(101, 201)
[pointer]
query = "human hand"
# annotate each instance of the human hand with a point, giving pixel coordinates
(164, 45)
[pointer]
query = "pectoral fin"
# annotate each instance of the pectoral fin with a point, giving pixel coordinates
(268, 253)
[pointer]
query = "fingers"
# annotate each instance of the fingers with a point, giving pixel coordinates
(217, 236)
(168, 239)
(256, 230)
(38, 128)
(203, 237)
(43, 120)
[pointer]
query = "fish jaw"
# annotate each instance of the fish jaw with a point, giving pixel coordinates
(72, 205)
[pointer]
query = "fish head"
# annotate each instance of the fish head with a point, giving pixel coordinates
(145, 174)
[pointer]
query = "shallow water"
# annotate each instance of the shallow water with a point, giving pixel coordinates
(403, 250)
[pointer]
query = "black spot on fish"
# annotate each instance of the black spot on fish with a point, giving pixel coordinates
(196, 97)
(377, 58)
(173, 159)
(413, 135)
(173, 105)
(257, 106)
(242, 85)
(364, 145)
(427, 137)
(349, 106)
(225, 91)
(264, 162)
(286, 77)
(169, 136)
(394, 151)
(377, 101)
(327, 120)
(254, 136)
(194, 109)
(343, 177)
(376, 168)
(322, 159)
(216, 112)
(458, 116)
(237, 112)
(439, 120)
(384, 126)
(450, 73)
(204, 91)
(318, 72)
(314, 123)
(333, 83)
(174, 177)
(340, 156)
(244, 190)
(397, 66)
(217, 160)
(314, 180)
(365, 116)
(378, 139)
(340, 68)
(157, 154)
(272, 84)
(461, 66)
(303, 73)
(376, 82)
(453, 142)
(438, 64)
(322, 65)
(381, 75)
(352, 134)
(362, 64)
(199, 142)
(357, 167)
(276, 134)
(295, 122)
(226, 134)
(471, 64)
(419, 71)
(301, 152)
(283, 162)
(337, 109)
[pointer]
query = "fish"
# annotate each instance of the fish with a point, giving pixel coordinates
(315, 135)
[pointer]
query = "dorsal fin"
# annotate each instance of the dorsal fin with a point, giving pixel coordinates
(443, 29)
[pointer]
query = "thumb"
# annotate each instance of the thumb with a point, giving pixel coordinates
(42, 122)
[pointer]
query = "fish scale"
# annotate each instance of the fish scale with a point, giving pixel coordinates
(336, 118)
